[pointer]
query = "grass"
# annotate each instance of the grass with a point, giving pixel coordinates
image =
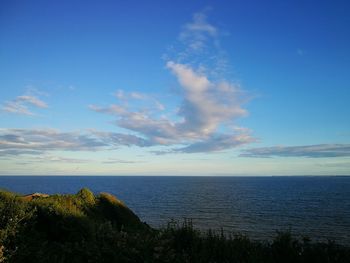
(88, 228)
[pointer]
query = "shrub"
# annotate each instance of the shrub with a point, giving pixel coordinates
(84, 228)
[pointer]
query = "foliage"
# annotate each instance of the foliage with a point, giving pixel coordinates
(88, 228)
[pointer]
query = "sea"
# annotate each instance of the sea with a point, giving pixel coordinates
(317, 207)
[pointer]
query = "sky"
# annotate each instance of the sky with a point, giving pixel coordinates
(244, 88)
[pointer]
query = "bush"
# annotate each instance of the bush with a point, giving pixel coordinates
(85, 228)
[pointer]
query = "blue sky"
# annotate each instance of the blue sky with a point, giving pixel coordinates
(175, 88)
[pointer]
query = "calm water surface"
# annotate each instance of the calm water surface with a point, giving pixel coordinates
(318, 207)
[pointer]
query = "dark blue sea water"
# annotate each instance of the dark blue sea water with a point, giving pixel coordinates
(318, 207)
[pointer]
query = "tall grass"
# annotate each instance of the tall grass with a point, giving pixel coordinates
(89, 228)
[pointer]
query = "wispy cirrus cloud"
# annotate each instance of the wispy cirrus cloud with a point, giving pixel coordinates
(16, 152)
(217, 142)
(38, 141)
(35, 157)
(49, 158)
(22, 104)
(118, 161)
(123, 95)
(198, 32)
(60, 159)
(311, 151)
(126, 97)
(114, 139)
(32, 100)
(199, 46)
(46, 145)
(14, 142)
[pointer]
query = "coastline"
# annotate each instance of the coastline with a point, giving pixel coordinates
(83, 227)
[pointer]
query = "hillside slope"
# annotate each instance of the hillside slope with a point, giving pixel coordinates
(88, 228)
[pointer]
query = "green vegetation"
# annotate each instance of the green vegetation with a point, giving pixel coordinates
(88, 228)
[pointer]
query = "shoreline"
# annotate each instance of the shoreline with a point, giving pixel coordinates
(100, 228)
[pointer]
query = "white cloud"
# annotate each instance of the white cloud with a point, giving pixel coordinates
(119, 161)
(32, 100)
(17, 108)
(116, 139)
(217, 142)
(196, 33)
(123, 95)
(312, 151)
(14, 142)
(199, 46)
(137, 96)
(209, 105)
(37, 141)
(112, 109)
(159, 105)
(207, 110)
(206, 107)
(21, 105)
(58, 159)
